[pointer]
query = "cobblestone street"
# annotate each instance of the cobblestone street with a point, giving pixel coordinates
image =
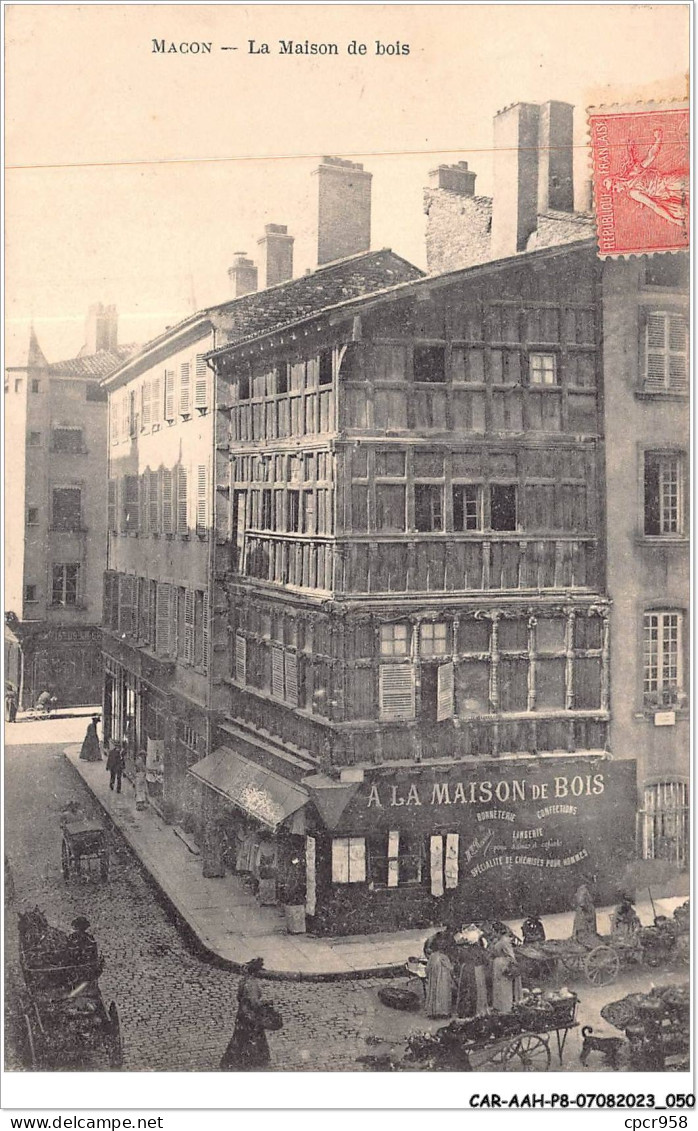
(177, 1011)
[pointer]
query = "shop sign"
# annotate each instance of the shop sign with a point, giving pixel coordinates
(525, 832)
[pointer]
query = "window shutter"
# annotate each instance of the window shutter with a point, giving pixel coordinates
(156, 401)
(291, 675)
(182, 525)
(167, 501)
(340, 860)
(393, 851)
(144, 487)
(169, 394)
(357, 860)
(163, 635)
(678, 351)
(145, 403)
(124, 417)
(189, 626)
(201, 383)
(396, 691)
(444, 699)
(201, 489)
(436, 860)
(240, 658)
(113, 421)
(154, 502)
(185, 389)
(277, 671)
(205, 634)
(655, 374)
(111, 506)
(451, 860)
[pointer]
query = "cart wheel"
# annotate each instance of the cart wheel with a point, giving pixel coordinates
(601, 965)
(104, 865)
(116, 1052)
(31, 1043)
(65, 861)
(527, 1053)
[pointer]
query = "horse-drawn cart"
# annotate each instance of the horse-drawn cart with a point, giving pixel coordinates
(66, 1022)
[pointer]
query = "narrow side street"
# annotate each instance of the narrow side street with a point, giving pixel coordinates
(177, 1011)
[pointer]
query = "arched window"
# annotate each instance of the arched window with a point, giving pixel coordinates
(664, 823)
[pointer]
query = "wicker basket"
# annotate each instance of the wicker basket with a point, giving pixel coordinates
(564, 1012)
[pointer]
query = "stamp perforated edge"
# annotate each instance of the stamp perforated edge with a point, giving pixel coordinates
(609, 109)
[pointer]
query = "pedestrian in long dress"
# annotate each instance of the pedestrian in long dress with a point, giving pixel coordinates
(10, 703)
(584, 927)
(91, 750)
(248, 1048)
(439, 982)
(506, 978)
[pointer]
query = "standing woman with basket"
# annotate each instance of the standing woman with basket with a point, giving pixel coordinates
(248, 1048)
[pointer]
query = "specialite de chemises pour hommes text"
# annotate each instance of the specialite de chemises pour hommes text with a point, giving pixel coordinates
(283, 47)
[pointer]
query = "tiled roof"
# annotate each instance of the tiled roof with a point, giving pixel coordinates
(287, 303)
(96, 365)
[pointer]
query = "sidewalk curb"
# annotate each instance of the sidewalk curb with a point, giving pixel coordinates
(202, 949)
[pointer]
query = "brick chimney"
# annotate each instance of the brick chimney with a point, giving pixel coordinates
(275, 255)
(555, 182)
(101, 329)
(344, 209)
(242, 275)
(453, 178)
(515, 203)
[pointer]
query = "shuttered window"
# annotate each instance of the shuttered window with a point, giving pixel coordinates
(291, 678)
(128, 597)
(443, 859)
(182, 515)
(154, 502)
(201, 496)
(156, 402)
(111, 506)
(189, 626)
(664, 826)
(240, 658)
(348, 860)
(393, 858)
(164, 628)
(145, 403)
(124, 416)
(277, 671)
(445, 701)
(201, 383)
(205, 634)
(144, 499)
(666, 351)
(396, 691)
(113, 420)
(169, 394)
(130, 504)
(185, 389)
(167, 501)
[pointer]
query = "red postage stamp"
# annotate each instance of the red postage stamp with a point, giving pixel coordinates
(641, 170)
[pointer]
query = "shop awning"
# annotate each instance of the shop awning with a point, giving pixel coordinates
(330, 796)
(264, 794)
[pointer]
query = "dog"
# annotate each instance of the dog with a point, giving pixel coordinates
(608, 1046)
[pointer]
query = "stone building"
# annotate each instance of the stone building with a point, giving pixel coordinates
(55, 492)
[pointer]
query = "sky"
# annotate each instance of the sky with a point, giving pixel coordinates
(133, 176)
